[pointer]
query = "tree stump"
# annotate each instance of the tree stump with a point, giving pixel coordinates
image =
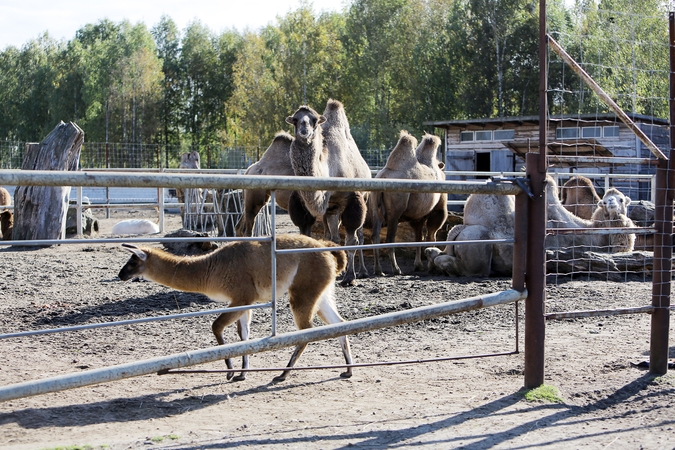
(40, 211)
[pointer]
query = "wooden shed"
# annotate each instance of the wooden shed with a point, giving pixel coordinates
(500, 144)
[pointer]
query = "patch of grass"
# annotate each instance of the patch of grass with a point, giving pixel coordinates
(158, 439)
(664, 379)
(544, 393)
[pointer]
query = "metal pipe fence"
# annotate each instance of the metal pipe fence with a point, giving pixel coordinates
(14, 177)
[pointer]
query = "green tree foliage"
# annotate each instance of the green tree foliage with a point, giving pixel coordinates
(395, 64)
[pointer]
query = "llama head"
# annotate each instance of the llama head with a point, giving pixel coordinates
(306, 122)
(136, 264)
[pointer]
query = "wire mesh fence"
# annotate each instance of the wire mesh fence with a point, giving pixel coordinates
(115, 155)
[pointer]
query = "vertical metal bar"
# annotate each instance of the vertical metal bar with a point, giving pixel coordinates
(663, 239)
(78, 219)
(535, 277)
(160, 203)
(273, 252)
(520, 244)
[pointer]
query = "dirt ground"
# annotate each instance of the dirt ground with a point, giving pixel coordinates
(467, 403)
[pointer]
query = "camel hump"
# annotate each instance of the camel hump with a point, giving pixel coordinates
(282, 137)
(426, 152)
(335, 115)
(402, 157)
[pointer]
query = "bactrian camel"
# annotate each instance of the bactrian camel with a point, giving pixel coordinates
(430, 210)
(239, 274)
(491, 217)
(578, 196)
(275, 161)
(612, 213)
(323, 147)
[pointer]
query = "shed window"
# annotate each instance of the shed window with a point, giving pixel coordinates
(612, 131)
(591, 132)
(466, 136)
(567, 133)
(503, 135)
(483, 135)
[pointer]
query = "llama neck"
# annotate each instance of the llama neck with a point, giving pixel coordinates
(183, 274)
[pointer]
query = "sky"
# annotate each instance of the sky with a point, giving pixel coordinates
(22, 20)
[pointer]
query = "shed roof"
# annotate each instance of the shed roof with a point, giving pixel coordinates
(498, 122)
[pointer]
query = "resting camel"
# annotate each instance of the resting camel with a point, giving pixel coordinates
(580, 197)
(612, 213)
(275, 161)
(323, 147)
(491, 217)
(420, 209)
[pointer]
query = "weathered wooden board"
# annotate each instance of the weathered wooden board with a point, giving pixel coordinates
(40, 211)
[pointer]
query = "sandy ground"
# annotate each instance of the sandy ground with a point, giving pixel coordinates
(467, 403)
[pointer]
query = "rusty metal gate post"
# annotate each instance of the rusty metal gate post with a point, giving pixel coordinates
(663, 239)
(535, 277)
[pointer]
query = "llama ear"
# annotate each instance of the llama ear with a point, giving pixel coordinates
(322, 119)
(290, 121)
(136, 251)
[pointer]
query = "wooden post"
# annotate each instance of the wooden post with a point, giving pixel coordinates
(40, 211)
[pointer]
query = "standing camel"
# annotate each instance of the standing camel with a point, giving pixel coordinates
(420, 209)
(323, 147)
(275, 161)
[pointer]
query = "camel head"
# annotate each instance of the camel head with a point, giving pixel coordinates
(614, 202)
(306, 122)
(189, 160)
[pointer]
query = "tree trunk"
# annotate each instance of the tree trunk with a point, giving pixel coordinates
(40, 211)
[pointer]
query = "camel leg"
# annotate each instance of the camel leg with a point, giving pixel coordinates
(331, 221)
(377, 227)
(392, 228)
(418, 227)
(353, 217)
(300, 216)
(363, 270)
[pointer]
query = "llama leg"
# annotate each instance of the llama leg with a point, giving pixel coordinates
(244, 330)
(218, 326)
(329, 314)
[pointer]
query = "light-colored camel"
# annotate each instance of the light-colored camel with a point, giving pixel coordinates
(579, 197)
(420, 209)
(324, 147)
(612, 213)
(5, 197)
(275, 161)
(492, 217)
(485, 217)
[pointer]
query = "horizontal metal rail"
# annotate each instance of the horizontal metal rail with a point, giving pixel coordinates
(341, 366)
(91, 326)
(179, 180)
(552, 231)
(599, 312)
(191, 358)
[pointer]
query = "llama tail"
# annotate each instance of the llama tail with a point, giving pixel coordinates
(339, 255)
